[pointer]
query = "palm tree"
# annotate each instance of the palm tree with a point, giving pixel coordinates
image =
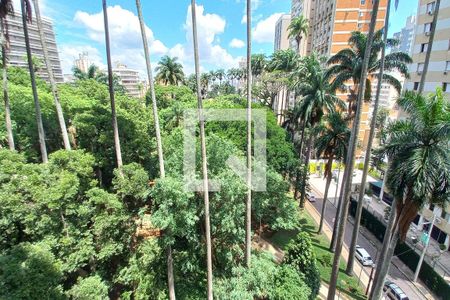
(284, 60)
(258, 63)
(111, 88)
(317, 98)
(169, 71)
(350, 161)
(6, 7)
(331, 144)
(205, 79)
(59, 111)
(26, 17)
(92, 73)
(220, 75)
(356, 226)
(204, 158)
(419, 170)
(430, 45)
(248, 203)
(170, 276)
(347, 65)
(299, 26)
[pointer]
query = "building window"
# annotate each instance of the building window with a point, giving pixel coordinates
(430, 8)
(420, 67)
(445, 86)
(416, 86)
(424, 47)
(360, 25)
(427, 27)
(447, 66)
(361, 14)
(363, 2)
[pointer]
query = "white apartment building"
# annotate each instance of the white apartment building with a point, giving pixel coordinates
(83, 62)
(406, 36)
(281, 41)
(438, 73)
(130, 80)
(18, 54)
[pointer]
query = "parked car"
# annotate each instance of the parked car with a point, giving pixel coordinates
(310, 197)
(363, 256)
(367, 199)
(393, 291)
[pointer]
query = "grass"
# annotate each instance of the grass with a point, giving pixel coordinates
(346, 284)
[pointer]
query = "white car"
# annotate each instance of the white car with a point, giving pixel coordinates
(363, 256)
(310, 197)
(367, 199)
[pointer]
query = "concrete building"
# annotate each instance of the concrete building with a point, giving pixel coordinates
(439, 67)
(18, 55)
(130, 80)
(281, 41)
(406, 36)
(82, 62)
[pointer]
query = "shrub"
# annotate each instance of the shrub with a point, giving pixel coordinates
(300, 255)
(89, 288)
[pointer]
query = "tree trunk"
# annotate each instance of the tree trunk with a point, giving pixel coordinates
(248, 204)
(337, 217)
(325, 195)
(5, 88)
(298, 175)
(387, 250)
(170, 276)
(59, 111)
(111, 88)
(351, 156)
(430, 45)
(204, 161)
(306, 171)
(37, 105)
(362, 190)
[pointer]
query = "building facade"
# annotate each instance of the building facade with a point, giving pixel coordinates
(438, 74)
(405, 36)
(17, 55)
(82, 62)
(130, 80)
(281, 41)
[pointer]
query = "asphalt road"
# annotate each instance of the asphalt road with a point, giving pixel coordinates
(370, 243)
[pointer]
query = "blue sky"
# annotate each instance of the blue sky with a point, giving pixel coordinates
(79, 27)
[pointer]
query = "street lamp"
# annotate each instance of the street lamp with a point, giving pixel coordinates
(427, 242)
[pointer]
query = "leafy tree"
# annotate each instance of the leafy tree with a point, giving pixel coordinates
(89, 288)
(300, 255)
(169, 71)
(30, 271)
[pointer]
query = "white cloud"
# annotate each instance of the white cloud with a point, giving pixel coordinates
(244, 19)
(264, 31)
(125, 35)
(211, 54)
(237, 43)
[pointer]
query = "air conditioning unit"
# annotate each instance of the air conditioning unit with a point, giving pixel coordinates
(428, 33)
(430, 12)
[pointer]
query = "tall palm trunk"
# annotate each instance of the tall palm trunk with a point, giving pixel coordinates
(204, 161)
(306, 171)
(248, 204)
(111, 88)
(5, 87)
(37, 106)
(362, 190)
(298, 176)
(59, 111)
(384, 259)
(337, 217)
(351, 155)
(430, 45)
(325, 195)
(170, 276)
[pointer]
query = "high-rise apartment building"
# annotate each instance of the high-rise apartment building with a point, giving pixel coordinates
(438, 73)
(18, 55)
(82, 62)
(130, 80)
(405, 36)
(281, 41)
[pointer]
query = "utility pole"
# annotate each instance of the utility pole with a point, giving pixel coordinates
(422, 256)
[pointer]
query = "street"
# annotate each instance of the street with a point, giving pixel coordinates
(398, 271)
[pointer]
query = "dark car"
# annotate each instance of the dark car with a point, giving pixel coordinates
(393, 291)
